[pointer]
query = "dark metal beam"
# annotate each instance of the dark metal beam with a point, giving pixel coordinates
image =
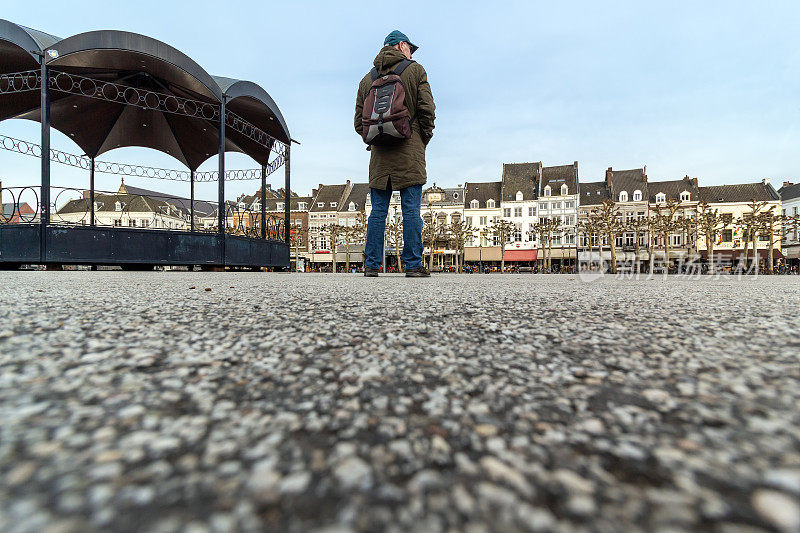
(263, 202)
(91, 192)
(45, 193)
(221, 182)
(287, 194)
(191, 200)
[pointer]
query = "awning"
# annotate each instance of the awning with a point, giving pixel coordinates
(738, 254)
(487, 253)
(520, 255)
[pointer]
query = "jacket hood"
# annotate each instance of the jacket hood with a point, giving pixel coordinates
(387, 58)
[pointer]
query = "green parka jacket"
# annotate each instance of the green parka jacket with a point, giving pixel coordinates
(401, 165)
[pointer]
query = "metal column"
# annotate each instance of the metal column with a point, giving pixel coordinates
(91, 191)
(287, 205)
(263, 202)
(191, 200)
(221, 182)
(45, 156)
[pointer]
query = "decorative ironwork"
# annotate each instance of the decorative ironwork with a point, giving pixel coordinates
(18, 82)
(135, 96)
(246, 221)
(122, 169)
(237, 123)
(24, 205)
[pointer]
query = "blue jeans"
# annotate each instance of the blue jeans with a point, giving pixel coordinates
(410, 201)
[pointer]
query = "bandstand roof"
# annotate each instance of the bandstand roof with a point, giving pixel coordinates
(135, 67)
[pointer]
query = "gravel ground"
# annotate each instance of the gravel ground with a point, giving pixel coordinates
(146, 402)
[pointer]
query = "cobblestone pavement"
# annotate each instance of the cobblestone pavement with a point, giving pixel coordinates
(145, 401)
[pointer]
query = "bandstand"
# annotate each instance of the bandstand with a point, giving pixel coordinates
(115, 89)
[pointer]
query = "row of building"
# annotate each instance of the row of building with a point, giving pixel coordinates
(526, 194)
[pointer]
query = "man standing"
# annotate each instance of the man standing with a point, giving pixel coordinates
(399, 164)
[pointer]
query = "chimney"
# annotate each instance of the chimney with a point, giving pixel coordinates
(765, 181)
(313, 193)
(609, 174)
(785, 183)
(694, 181)
(644, 172)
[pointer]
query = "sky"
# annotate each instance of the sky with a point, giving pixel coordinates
(706, 89)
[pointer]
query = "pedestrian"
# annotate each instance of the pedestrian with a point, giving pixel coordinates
(395, 115)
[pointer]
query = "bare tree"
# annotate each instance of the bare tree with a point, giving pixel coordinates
(608, 217)
(711, 224)
(297, 233)
(665, 225)
(431, 231)
(394, 234)
(333, 231)
(750, 222)
(502, 229)
(459, 231)
(638, 226)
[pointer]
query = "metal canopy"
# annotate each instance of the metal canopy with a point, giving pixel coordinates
(113, 89)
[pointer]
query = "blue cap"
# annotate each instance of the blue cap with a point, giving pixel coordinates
(397, 37)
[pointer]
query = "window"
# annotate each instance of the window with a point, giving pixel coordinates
(334, 204)
(519, 196)
(117, 223)
(483, 221)
(727, 218)
(556, 205)
(677, 240)
(118, 206)
(640, 214)
(280, 206)
(623, 196)
(456, 218)
(302, 206)
(685, 196)
(569, 205)
(564, 190)
(351, 207)
(629, 239)
(490, 204)
(547, 191)
(637, 195)
(517, 212)
(763, 236)
(257, 206)
(543, 205)
(618, 241)
(320, 205)
(131, 223)
(507, 212)
(145, 223)
(661, 198)
(518, 232)
(531, 211)
(469, 220)
(474, 204)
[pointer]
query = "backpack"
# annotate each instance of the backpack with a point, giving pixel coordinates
(385, 119)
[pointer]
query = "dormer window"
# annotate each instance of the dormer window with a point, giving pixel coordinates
(623, 196)
(256, 207)
(321, 205)
(661, 198)
(352, 206)
(280, 206)
(685, 196)
(118, 206)
(547, 191)
(519, 196)
(242, 205)
(490, 204)
(564, 190)
(334, 204)
(303, 206)
(637, 195)
(474, 204)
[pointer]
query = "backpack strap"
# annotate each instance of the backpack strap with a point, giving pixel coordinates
(401, 66)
